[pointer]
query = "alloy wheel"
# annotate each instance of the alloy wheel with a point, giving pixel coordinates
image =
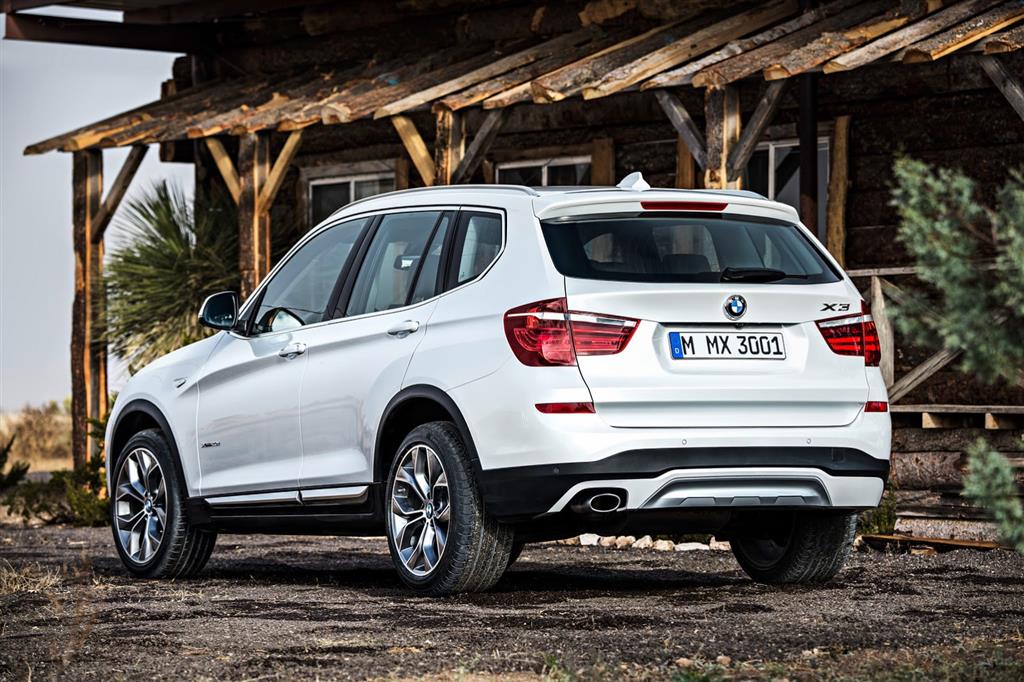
(140, 505)
(420, 509)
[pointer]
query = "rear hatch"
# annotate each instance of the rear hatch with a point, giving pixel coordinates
(726, 312)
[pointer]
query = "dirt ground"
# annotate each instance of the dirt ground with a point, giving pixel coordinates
(328, 608)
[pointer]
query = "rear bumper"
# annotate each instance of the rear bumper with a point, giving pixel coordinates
(695, 478)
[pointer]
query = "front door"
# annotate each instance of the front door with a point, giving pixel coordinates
(248, 427)
(358, 362)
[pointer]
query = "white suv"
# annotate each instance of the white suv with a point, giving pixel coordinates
(467, 369)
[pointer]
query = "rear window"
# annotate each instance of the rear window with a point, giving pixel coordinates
(683, 249)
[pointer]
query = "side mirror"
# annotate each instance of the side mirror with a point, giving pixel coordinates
(219, 311)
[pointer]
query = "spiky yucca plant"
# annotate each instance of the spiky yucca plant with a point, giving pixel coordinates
(175, 256)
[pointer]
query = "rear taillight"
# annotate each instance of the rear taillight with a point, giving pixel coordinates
(565, 408)
(546, 333)
(853, 335)
(876, 406)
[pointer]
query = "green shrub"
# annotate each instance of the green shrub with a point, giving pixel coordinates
(17, 471)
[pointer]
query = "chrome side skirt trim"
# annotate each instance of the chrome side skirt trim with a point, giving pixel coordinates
(280, 497)
(352, 494)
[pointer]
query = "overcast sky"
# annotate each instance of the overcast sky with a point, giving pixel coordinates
(47, 89)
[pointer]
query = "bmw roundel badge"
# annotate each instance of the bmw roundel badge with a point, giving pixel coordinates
(735, 307)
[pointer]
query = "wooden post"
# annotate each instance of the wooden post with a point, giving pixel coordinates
(449, 145)
(253, 223)
(86, 379)
(602, 162)
(808, 134)
(838, 179)
(402, 168)
(884, 328)
(686, 166)
(722, 119)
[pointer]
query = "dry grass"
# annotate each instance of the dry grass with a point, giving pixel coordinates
(43, 436)
(31, 578)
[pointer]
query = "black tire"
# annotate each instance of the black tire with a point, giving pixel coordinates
(183, 550)
(796, 547)
(517, 549)
(477, 549)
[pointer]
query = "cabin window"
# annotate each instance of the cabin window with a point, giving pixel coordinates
(327, 195)
(774, 171)
(567, 170)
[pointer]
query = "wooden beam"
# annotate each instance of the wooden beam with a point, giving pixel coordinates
(202, 11)
(226, 167)
(681, 120)
(49, 29)
(759, 120)
(722, 118)
(835, 43)
(1006, 41)
(253, 223)
(965, 33)
(9, 6)
(1004, 81)
(807, 132)
(915, 377)
(883, 325)
(416, 148)
(696, 43)
(908, 35)
(449, 145)
(686, 166)
(278, 170)
(481, 143)
(101, 220)
(602, 162)
(838, 183)
(87, 188)
(402, 172)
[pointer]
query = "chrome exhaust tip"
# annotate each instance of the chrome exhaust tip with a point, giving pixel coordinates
(603, 503)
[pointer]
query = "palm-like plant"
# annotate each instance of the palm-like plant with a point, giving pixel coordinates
(178, 253)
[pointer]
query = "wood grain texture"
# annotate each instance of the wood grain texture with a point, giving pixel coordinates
(838, 184)
(965, 33)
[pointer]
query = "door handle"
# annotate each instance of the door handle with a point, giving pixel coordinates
(404, 329)
(292, 350)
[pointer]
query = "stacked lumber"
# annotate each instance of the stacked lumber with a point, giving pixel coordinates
(928, 467)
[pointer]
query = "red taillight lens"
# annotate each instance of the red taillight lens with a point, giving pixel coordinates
(876, 406)
(545, 333)
(853, 335)
(565, 408)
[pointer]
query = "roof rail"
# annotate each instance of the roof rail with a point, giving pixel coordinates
(522, 189)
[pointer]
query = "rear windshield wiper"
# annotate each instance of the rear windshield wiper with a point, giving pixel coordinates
(756, 275)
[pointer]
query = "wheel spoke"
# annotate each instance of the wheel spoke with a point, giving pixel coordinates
(419, 515)
(421, 472)
(406, 478)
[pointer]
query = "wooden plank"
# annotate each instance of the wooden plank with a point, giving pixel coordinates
(602, 162)
(1005, 41)
(883, 325)
(834, 43)
(50, 29)
(756, 60)
(722, 118)
(570, 79)
(695, 44)
(686, 166)
(960, 409)
(226, 167)
(481, 143)
(416, 148)
(278, 170)
(402, 168)
(449, 145)
(883, 541)
(953, 529)
(838, 184)
(759, 120)
(935, 420)
(495, 68)
(912, 379)
(908, 35)
(1006, 82)
(101, 220)
(253, 224)
(965, 33)
(86, 188)
(684, 74)
(681, 120)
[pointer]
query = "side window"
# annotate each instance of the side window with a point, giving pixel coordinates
(426, 281)
(389, 268)
(477, 245)
(300, 291)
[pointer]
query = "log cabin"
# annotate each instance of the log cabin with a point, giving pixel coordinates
(296, 108)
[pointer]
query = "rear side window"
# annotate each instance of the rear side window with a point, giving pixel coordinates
(684, 248)
(477, 244)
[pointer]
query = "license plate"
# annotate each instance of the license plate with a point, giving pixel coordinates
(728, 345)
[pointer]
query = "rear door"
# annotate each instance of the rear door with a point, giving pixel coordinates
(743, 352)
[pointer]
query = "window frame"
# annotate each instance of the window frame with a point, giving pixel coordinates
(544, 164)
(338, 178)
(771, 145)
